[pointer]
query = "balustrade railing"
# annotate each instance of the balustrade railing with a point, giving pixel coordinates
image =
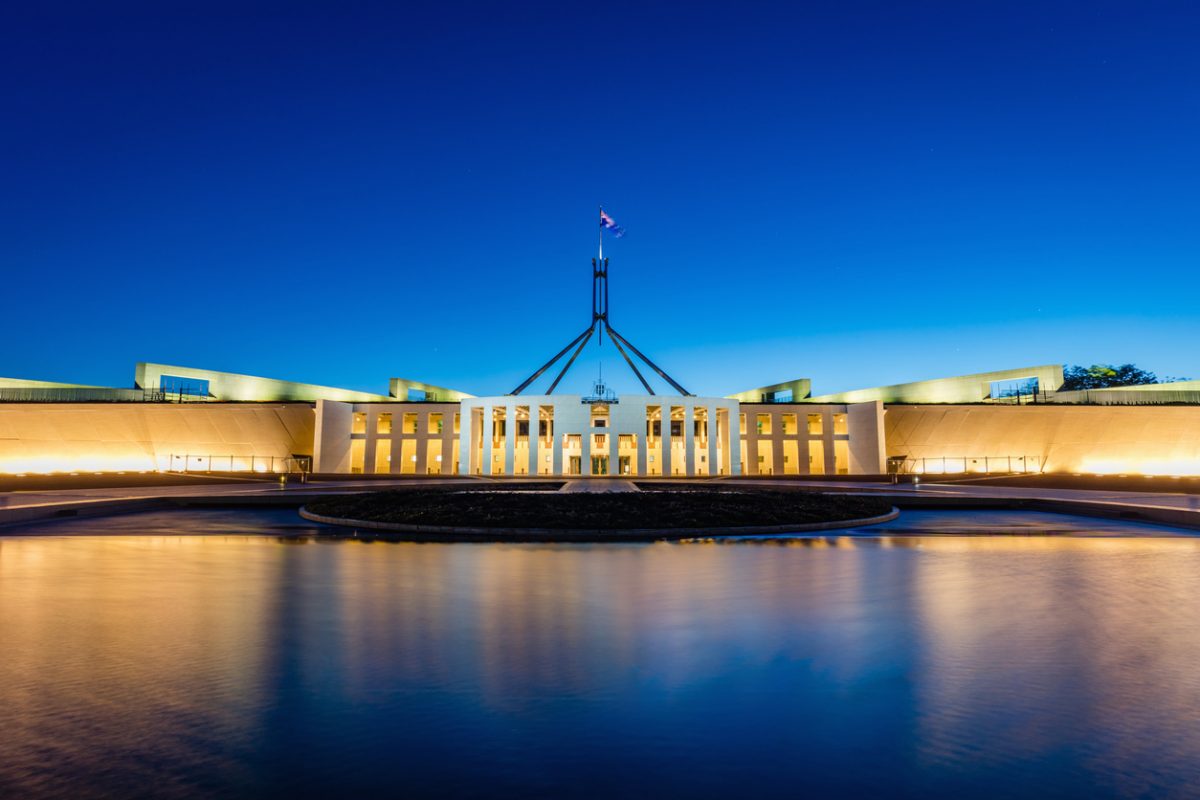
(952, 465)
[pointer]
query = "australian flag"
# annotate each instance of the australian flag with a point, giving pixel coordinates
(607, 224)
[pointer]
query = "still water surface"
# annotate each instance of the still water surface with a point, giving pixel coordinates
(237, 663)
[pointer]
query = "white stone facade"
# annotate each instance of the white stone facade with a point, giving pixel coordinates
(568, 435)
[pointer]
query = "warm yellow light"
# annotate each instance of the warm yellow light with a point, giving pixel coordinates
(77, 464)
(1147, 467)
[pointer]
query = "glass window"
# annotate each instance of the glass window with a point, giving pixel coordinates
(789, 425)
(359, 423)
(384, 423)
(410, 423)
(814, 424)
(840, 426)
(841, 456)
(183, 387)
(435, 423)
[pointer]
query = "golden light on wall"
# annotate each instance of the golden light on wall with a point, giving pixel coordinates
(1141, 466)
(141, 462)
(81, 463)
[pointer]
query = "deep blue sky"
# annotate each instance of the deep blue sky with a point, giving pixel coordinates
(861, 193)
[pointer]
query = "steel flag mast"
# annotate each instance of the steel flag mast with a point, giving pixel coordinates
(599, 325)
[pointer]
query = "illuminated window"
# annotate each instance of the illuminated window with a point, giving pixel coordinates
(814, 425)
(789, 425)
(410, 423)
(841, 457)
(383, 457)
(763, 424)
(840, 426)
(816, 457)
(384, 423)
(435, 424)
(358, 423)
(653, 422)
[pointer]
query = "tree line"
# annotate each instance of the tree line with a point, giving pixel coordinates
(1103, 376)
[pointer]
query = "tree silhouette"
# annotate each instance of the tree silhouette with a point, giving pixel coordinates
(1103, 376)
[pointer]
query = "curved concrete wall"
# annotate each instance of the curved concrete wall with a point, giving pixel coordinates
(1153, 440)
(107, 437)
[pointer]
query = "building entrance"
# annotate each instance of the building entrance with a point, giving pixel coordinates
(599, 465)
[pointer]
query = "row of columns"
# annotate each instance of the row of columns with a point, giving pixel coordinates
(572, 416)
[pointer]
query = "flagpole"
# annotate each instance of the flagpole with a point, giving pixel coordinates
(600, 264)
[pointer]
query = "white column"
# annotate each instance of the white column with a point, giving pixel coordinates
(557, 441)
(734, 444)
(614, 415)
(422, 443)
(827, 442)
(448, 438)
(751, 440)
(665, 439)
(689, 437)
(713, 467)
(535, 418)
(643, 437)
(777, 442)
(585, 463)
(486, 458)
(510, 437)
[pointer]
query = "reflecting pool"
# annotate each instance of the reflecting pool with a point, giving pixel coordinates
(261, 659)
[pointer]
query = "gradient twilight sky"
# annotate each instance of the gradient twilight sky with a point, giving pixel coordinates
(860, 193)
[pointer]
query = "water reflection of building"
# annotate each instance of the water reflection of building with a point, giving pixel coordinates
(1081, 635)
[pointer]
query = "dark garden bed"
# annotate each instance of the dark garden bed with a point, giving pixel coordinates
(661, 510)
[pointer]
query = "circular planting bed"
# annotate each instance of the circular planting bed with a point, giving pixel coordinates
(617, 516)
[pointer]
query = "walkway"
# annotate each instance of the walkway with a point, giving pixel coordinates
(602, 485)
(1170, 509)
(19, 507)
